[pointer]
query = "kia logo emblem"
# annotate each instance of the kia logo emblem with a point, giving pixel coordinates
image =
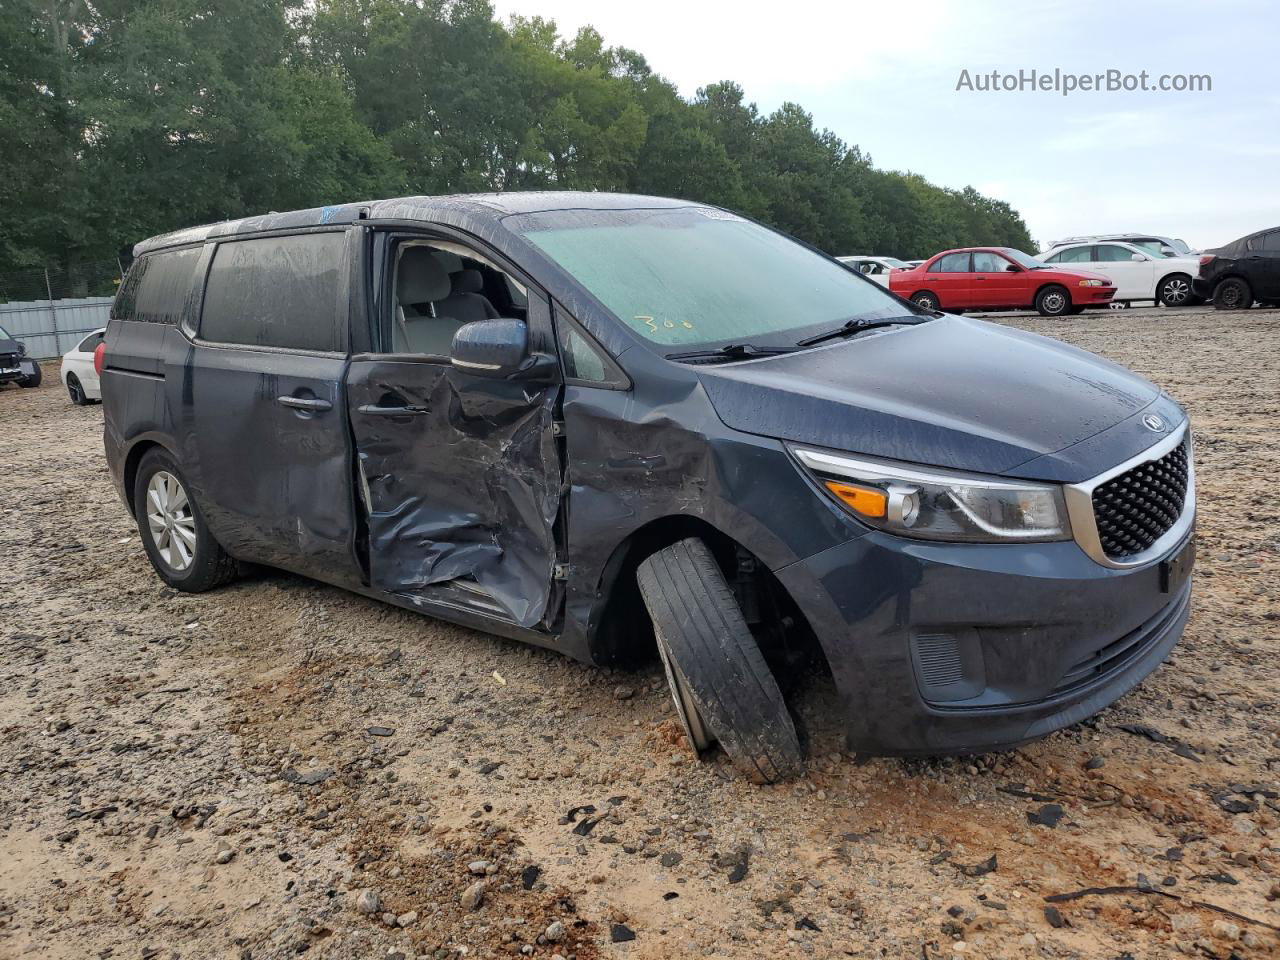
(1153, 422)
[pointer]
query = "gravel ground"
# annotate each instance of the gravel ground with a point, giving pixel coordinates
(281, 767)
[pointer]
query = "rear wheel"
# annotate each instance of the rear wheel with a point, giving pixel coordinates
(1053, 301)
(1233, 294)
(1175, 290)
(925, 300)
(177, 540)
(722, 687)
(76, 391)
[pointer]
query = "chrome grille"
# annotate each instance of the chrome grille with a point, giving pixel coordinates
(1135, 509)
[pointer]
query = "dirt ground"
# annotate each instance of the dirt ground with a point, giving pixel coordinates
(281, 767)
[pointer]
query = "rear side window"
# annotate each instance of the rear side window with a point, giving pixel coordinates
(1110, 253)
(1270, 242)
(951, 263)
(156, 287)
(277, 292)
(1074, 255)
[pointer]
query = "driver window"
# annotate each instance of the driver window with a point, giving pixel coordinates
(984, 262)
(437, 286)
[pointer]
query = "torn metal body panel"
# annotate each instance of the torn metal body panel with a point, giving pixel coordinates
(462, 480)
(988, 533)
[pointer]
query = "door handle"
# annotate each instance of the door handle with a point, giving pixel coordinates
(312, 404)
(405, 410)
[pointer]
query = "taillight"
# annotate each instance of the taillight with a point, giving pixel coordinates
(1207, 259)
(99, 355)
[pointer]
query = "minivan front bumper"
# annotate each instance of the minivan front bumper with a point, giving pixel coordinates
(960, 648)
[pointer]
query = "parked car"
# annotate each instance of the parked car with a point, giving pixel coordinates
(999, 278)
(875, 268)
(606, 424)
(1243, 271)
(15, 365)
(78, 373)
(1138, 274)
(1165, 246)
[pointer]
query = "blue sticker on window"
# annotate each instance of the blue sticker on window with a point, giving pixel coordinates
(328, 213)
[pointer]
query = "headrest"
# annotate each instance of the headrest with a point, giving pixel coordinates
(451, 262)
(420, 278)
(467, 281)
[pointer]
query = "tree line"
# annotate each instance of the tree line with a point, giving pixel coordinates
(126, 118)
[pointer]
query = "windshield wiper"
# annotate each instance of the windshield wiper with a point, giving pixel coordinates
(857, 325)
(732, 351)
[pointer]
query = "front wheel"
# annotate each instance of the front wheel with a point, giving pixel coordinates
(174, 534)
(1053, 301)
(925, 300)
(1175, 290)
(722, 687)
(1233, 294)
(33, 379)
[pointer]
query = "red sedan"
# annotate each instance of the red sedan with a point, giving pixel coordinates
(999, 278)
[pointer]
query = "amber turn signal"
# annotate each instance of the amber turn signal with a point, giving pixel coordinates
(867, 501)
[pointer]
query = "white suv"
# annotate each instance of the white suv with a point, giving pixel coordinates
(1166, 246)
(1138, 273)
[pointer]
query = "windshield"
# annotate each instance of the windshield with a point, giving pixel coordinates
(893, 261)
(4, 334)
(1022, 259)
(697, 276)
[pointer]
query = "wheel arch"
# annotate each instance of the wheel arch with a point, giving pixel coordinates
(133, 459)
(622, 634)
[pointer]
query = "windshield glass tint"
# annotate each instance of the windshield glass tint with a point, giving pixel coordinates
(694, 276)
(1019, 257)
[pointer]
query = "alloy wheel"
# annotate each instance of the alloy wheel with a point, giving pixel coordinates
(1176, 292)
(170, 520)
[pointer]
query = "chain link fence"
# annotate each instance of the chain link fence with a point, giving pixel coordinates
(51, 309)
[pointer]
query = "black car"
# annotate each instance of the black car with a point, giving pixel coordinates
(1246, 270)
(15, 365)
(592, 422)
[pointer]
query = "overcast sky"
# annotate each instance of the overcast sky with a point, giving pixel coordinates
(1201, 166)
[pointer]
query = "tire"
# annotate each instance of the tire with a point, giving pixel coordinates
(1233, 293)
(206, 564)
(715, 666)
(33, 380)
(1175, 290)
(926, 300)
(1053, 301)
(76, 391)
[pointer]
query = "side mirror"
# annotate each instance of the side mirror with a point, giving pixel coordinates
(1137, 257)
(491, 348)
(1013, 268)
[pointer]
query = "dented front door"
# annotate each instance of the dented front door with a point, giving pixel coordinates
(460, 480)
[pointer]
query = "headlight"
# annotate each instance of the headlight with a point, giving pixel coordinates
(937, 504)
(1093, 283)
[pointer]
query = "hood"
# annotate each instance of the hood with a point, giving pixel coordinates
(953, 392)
(9, 345)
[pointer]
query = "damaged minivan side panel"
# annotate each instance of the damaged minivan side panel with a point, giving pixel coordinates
(460, 474)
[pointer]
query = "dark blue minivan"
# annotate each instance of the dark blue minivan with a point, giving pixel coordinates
(605, 424)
